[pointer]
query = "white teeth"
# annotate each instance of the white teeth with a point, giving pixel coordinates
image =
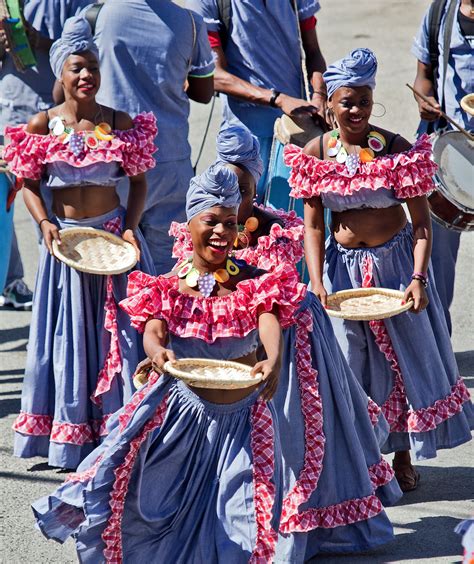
(218, 244)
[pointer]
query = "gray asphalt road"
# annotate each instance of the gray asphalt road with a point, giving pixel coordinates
(425, 519)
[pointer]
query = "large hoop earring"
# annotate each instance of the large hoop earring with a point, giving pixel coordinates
(383, 108)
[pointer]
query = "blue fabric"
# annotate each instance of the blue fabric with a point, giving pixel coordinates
(364, 198)
(146, 53)
(10, 261)
(356, 69)
(67, 348)
(60, 174)
(76, 37)
(24, 94)
(190, 498)
(263, 49)
(444, 254)
(351, 445)
(235, 144)
(223, 348)
(460, 72)
(216, 186)
(421, 343)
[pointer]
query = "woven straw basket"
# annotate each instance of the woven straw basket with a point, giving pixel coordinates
(210, 373)
(94, 251)
(366, 304)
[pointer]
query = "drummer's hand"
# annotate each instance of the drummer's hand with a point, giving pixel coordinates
(416, 292)
(4, 45)
(429, 112)
(295, 107)
(320, 292)
(320, 102)
(162, 356)
(271, 371)
(129, 236)
(50, 231)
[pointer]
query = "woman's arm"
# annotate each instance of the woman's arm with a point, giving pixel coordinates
(270, 334)
(155, 339)
(314, 250)
(420, 217)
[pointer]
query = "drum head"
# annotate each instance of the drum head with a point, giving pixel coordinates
(454, 155)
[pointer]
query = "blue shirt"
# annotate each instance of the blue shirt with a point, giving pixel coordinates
(460, 72)
(146, 53)
(263, 49)
(25, 94)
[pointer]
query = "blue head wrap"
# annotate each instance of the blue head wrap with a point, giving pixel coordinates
(216, 186)
(236, 145)
(357, 69)
(75, 38)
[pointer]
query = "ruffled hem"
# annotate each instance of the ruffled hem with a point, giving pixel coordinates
(28, 153)
(409, 173)
(60, 431)
(283, 245)
(234, 315)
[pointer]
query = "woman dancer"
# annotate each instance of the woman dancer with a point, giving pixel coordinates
(325, 420)
(82, 351)
(363, 174)
(189, 474)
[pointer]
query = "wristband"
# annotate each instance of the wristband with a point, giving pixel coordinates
(423, 274)
(44, 219)
(274, 97)
(418, 276)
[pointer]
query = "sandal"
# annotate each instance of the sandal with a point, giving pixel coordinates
(407, 477)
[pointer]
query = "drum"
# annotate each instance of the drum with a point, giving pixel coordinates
(452, 204)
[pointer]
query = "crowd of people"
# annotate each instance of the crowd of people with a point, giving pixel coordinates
(292, 466)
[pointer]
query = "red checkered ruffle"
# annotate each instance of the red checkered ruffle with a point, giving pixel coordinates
(312, 410)
(27, 154)
(86, 475)
(374, 411)
(112, 534)
(60, 431)
(283, 245)
(233, 315)
(410, 173)
(262, 444)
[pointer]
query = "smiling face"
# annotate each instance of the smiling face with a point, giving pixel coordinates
(352, 108)
(81, 76)
(247, 189)
(213, 233)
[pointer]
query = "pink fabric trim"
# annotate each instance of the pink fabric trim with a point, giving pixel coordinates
(131, 406)
(262, 438)
(283, 245)
(86, 475)
(28, 153)
(113, 360)
(233, 315)
(374, 411)
(112, 535)
(409, 173)
(60, 431)
(381, 473)
(312, 410)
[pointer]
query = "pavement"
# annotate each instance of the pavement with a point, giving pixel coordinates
(425, 519)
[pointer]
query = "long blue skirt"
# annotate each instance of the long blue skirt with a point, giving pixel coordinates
(405, 363)
(68, 346)
(178, 479)
(330, 446)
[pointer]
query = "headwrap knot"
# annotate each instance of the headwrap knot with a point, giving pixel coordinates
(357, 69)
(216, 186)
(236, 145)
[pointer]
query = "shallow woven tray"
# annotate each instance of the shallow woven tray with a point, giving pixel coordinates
(215, 374)
(94, 251)
(366, 304)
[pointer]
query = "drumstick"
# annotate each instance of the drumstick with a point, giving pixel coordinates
(446, 117)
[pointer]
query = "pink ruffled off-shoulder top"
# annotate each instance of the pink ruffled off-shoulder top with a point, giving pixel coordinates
(384, 182)
(47, 158)
(223, 327)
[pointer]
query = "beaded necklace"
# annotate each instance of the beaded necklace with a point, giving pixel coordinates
(207, 280)
(376, 142)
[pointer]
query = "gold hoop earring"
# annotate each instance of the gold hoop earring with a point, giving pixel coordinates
(383, 108)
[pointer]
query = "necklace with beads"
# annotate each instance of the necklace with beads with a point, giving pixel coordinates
(245, 233)
(77, 142)
(206, 281)
(376, 142)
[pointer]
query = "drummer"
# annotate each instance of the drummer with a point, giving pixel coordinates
(445, 92)
(82, 351)
(363, 174)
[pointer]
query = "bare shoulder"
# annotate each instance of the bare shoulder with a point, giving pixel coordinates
(38, 124)
(398, 143)
(123, 121)
(313, 147)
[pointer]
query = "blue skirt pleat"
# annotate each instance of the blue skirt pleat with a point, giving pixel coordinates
(421, 342)
(67, 347)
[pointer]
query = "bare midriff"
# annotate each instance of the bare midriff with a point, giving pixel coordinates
(82, 202)
(367, 227)
(228, 396)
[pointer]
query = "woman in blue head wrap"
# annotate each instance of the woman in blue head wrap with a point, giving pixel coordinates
(363, 174)
(190, 474)
(74, 154)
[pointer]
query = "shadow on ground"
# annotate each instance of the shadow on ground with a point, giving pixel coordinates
(13, 335)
